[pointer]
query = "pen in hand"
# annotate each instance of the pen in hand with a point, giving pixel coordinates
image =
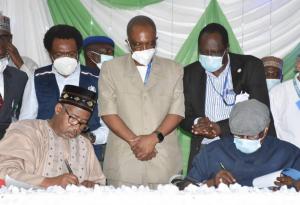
(222, 166)
(68, 166)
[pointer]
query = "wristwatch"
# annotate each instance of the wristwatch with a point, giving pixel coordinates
(159, 136)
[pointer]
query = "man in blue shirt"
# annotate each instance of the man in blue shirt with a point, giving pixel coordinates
(248, 154)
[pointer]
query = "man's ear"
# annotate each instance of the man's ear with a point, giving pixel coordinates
(266, 131)
(58, 108)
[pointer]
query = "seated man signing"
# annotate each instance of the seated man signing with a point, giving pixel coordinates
(248, 154)
(52, 152)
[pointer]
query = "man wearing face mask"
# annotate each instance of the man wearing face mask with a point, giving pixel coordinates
(63, 42)
(97, 50)
(141, 101)
(285, 107)
(214, 83)
(12, 80)
(273, 70)
(248, 154)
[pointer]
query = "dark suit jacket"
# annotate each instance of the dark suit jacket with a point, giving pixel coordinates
(247, 76)
(14, 84)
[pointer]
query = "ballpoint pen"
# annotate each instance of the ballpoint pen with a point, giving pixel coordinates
(68, 166)
(222, 166)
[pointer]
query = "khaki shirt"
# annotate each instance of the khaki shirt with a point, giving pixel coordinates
(142, 108)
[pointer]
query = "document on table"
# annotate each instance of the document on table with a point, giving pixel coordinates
(267, 180)
(12, 182)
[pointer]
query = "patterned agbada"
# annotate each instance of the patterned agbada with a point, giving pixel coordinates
(31, 151)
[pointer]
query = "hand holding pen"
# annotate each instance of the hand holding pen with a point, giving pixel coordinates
(68, 166)
(223, 176)
(61, 180)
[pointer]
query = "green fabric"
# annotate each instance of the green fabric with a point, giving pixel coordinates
(289, 63)
(189, 53)
(128, 4)
(73, 13)
(213, 14)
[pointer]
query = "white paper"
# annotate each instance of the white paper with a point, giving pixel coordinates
(12, 182)
(241, 97)
(267, 180)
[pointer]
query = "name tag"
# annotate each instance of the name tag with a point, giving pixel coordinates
(242, 97)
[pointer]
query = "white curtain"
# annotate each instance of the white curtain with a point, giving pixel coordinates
(29, 20)
(264, 27)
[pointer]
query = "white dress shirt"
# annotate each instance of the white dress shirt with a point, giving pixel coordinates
(286, 114)
(29, 66)
(29, 109)
(142, 71)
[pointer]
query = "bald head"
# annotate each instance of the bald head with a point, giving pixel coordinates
(140, 21)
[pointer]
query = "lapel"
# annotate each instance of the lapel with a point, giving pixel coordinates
(8, 85)
(155, 74)
(195, 83)
(237, 70)
(132, 73)
(202, 91)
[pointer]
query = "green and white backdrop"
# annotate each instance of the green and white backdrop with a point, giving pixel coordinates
(256, 27)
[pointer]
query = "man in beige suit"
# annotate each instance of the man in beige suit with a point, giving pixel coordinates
(141, 101)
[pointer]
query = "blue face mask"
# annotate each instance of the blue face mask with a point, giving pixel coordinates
(272, 82)
(247, 146)
(211, 63)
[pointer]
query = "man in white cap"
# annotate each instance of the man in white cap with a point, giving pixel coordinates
(248, 154)
(285, 108)
(12, 56)
(12, 80)
(273, 70)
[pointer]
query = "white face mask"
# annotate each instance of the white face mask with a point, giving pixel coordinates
(272, 82)
(143, 57)
(103, 58)
(246, 146)
(3, 64)
(65, 65)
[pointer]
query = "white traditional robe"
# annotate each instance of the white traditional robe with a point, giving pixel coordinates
(286, 113)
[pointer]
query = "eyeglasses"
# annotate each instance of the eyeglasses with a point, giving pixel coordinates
(5, 37)
(69, 54)
(74, 121)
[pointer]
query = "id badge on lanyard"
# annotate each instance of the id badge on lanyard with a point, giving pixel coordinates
(147, 73)
(298, 93)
